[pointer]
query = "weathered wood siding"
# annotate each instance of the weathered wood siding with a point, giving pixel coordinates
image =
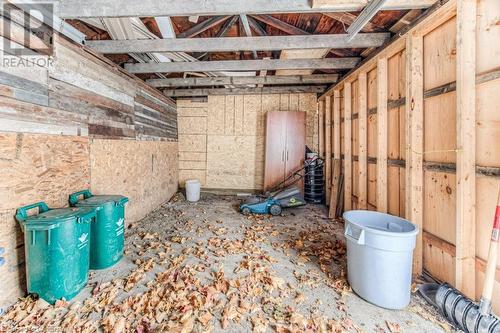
(74, 123)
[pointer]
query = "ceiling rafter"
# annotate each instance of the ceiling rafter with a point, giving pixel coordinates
(243, 80)
(149, 8)
(280, 25)
(364, 17)
(243, 91)
(243, 65)
(348, 18)
(231, 44)
(228, 24)
(248, 31)
(202, 26)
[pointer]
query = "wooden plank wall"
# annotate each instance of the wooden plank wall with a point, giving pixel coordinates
(426, 138)
(222, 139)
(72, 122)
(72, 96)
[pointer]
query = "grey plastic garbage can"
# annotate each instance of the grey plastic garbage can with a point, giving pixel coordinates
(379, 257)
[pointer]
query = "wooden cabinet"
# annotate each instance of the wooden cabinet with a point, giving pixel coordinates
(285, 146)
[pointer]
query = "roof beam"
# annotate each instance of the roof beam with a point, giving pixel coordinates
(243, 80)
(221, 33)
(248, 31)
(243, 91)
(115, 8)
(256, 26)
(280, 25)
(203, 26)
(243, 65)
(349, 18)
(366, 15)
(229, 44)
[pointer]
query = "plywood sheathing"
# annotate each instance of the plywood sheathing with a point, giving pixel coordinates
(144, 171)
(221, 141)
(34, 168)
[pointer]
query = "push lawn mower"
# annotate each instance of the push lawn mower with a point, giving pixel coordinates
(284, 195)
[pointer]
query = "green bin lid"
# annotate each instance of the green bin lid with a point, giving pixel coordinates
(101, 200)
(53, 218)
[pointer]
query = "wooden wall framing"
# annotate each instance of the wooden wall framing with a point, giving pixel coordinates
(429, 140)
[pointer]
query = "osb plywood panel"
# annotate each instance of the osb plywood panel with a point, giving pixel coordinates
(192, 111)
(192, 125)
(233, 122)
(488, 35)
(34, 168)
(309, 104)
(193, 122)
(440, 130)
(439, 205)
(192, 165)
(193, 143)
(192, 174)
(235, 162)
(488, 124)
(440, 55)
(216, 110)
(41, 167)
(144, 171)
(253, 117)
(190, 156)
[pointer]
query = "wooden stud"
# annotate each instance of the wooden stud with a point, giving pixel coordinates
(362, 138)
(428, 21)
(382, 135)
(328, 147)
(321, 129)
(336, 124)
(466, 143)
(414, 141)
(348, 147)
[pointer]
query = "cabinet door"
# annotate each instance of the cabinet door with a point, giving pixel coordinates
(295, 143)
(276, 125)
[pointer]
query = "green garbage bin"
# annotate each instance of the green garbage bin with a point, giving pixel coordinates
(107, 233)
(57, 250)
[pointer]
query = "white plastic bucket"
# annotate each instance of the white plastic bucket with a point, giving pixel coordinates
(193, 187)
(379, 257)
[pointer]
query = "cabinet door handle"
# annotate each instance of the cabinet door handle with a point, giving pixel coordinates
(287, 155)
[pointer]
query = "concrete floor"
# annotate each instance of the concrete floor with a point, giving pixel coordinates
(206, 268)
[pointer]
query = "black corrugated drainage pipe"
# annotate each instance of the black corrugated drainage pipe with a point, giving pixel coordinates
(460, 311)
